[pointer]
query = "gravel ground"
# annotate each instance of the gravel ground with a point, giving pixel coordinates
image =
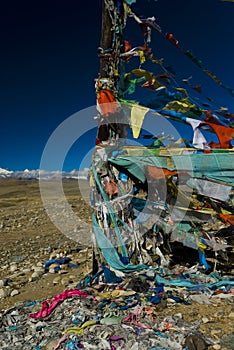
(28, 239)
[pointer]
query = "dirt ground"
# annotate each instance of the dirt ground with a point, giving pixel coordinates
(28, 237)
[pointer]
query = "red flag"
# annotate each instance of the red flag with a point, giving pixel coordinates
(198, 88)
(173, 40)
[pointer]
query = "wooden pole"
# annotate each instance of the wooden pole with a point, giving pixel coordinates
(106, 38)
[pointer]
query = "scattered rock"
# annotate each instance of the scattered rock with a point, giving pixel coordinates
(57, 280)
(13, 268)
(4, 293)
(2, 283)
(25, 253)
(35, 276)
(14, 292)
(205, 320)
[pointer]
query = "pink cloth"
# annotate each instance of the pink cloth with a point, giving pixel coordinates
(132, 318)
(49, 305)
(61, 340)
(118, 339)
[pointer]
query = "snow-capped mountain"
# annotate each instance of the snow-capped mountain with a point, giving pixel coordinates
(44, 174)
(5, 173)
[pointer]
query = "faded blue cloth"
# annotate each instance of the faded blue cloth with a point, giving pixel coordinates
(57, 261)
(74, 345)
(110, 276)
(142, 217)
(123, 177)
(183, 283)
(199, 288)
(119, 238)
(202, 260)
(154, 299)
(60, 261)
(158, 290)
(109, 252)
(178, 299)
(179, 283)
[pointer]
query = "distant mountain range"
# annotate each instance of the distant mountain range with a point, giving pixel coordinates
(43, 174)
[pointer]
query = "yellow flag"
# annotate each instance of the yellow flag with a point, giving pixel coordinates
(137, 118)
(142, 56)
(180, 106)
(183, 91)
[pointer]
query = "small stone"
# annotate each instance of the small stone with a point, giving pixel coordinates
(231, 315)
(4, 293)
(13, 268)
(65, 281)
(205, 320)
(38, 269)
(14, 292)
(215, 331)
(35, 276)
(63, 271)
(18, 259)
(33, 219)
(171, 301)
(216, 347)
(57, 280)
(2, 283)
(26, 270)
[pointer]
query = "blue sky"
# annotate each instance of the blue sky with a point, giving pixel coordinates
(49, 61)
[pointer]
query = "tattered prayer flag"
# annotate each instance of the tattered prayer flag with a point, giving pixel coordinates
(137, 118)
(186, 81)
(179, 106)
(183, 91)
(214, 77)
(155, 60)
(152, 84)
(145, 28)
(127, 46)
(171, 70)
(142, 56)
(173, 40)
(159, 173)
(199, 140)
(228, 218)
(211, 75)
(224, 134)
(128, 86)
(106, 102)
(198, 88)
(164, 77)
(193, 58)
(230, 90)
(142, 73)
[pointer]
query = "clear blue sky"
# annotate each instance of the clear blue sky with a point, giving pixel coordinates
(49, 61)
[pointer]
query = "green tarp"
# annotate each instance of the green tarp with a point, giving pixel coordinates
(213, 166)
